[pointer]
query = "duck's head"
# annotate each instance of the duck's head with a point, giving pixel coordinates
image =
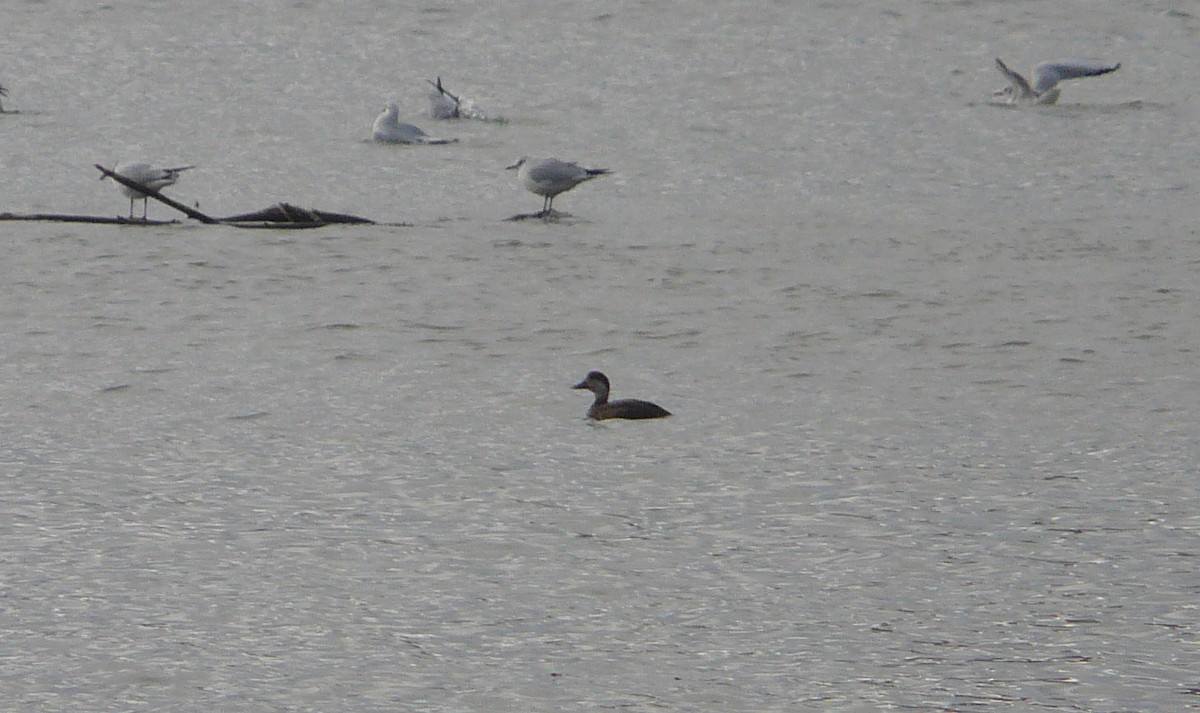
(595, 382)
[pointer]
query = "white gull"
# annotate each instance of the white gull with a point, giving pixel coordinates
(148, 176)
(389, 129)
(443, 104)
(548, 177)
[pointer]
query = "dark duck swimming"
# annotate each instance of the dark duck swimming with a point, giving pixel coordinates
(602, 408)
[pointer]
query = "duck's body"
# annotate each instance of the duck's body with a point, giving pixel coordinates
(548, 177)
(602, 408)
(389, 129)
(1046, 76)
(148, 176)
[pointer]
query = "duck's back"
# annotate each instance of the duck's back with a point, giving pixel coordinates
(627, 408)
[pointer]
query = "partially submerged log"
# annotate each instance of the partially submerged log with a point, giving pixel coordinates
(102, 219)
(550, 216)
(285, 215)
(280, 215)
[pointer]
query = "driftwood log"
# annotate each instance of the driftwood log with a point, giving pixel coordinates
(101, 219)
(280, 215)
(285, 215)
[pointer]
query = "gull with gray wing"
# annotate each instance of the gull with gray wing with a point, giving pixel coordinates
(547, 177)
(1046, 77)
(389, 129)
(148, 176)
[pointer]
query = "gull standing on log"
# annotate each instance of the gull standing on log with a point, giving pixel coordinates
(148, 176)
(1046, 77)
(548, 177)
(389, 129)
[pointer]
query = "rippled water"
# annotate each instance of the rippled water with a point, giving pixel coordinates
(932, 362)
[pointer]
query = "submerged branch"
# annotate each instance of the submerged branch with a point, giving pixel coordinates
(102, 219)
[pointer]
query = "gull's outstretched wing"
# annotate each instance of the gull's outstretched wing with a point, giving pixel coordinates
(1048, 74)
(1020, 86)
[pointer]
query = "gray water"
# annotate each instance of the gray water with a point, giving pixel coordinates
(932, 362)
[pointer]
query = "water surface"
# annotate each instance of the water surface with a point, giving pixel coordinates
(932, 362)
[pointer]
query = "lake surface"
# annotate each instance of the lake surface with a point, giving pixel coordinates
(933, 362)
